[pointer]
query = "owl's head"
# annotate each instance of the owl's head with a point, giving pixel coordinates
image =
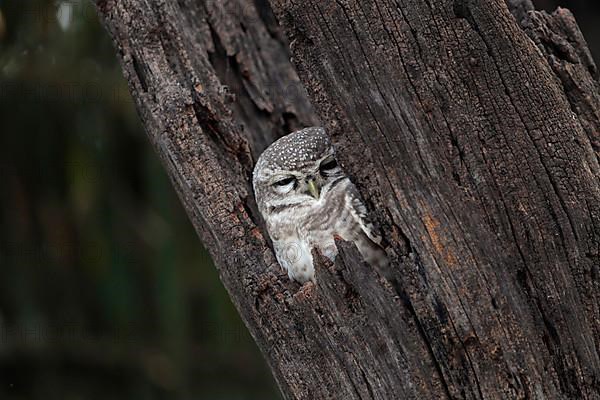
(298, 169)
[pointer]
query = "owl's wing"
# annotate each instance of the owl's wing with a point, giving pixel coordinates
(368, 240)
(359, 213)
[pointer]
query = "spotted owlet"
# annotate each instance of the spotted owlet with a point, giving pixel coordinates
(306, 199)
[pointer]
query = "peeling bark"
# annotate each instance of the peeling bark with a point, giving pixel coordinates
(472, 134)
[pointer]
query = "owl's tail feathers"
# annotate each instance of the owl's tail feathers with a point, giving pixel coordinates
(372, 252)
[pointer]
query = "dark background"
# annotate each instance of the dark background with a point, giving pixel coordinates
(105, 290)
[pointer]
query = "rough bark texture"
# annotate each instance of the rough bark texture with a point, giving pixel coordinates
(473, 135)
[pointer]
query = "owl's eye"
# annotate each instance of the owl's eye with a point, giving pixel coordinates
(285, 182)
(328, 165)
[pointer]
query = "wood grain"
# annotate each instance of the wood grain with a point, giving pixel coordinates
(472, 133)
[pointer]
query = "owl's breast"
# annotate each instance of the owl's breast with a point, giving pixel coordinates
(319, 221)
(330, 216)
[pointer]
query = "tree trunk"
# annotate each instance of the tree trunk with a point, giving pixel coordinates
(473, 135)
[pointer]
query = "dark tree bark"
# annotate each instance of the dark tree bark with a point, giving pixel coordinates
(471, 132)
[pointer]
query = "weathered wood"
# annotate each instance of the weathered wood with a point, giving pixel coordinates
(560, 40)
(460, 133)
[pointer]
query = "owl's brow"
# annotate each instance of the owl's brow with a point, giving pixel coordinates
(282, 175)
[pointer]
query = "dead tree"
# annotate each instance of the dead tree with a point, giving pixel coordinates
(471, 129)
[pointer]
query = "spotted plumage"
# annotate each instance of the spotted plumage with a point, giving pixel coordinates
(306, 200)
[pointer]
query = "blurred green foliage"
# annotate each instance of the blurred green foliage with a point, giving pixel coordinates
(105, 290)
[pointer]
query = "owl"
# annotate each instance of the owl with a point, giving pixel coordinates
(306, 200)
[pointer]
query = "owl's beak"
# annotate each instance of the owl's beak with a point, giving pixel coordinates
(313, 188)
